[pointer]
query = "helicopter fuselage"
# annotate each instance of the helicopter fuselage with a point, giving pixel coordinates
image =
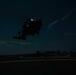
(30, 28)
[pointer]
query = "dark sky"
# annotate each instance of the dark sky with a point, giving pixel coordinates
(58, 31)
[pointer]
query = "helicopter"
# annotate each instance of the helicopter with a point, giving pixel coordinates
(30, 27)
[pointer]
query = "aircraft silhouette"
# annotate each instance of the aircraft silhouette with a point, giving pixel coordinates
(30, 27)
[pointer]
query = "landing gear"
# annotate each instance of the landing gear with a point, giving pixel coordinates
(15, 37)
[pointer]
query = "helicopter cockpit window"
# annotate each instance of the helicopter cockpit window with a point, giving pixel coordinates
(27, 25)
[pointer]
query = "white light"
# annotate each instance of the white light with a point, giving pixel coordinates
(32, 20)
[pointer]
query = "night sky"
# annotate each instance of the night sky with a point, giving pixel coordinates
(57, 33)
